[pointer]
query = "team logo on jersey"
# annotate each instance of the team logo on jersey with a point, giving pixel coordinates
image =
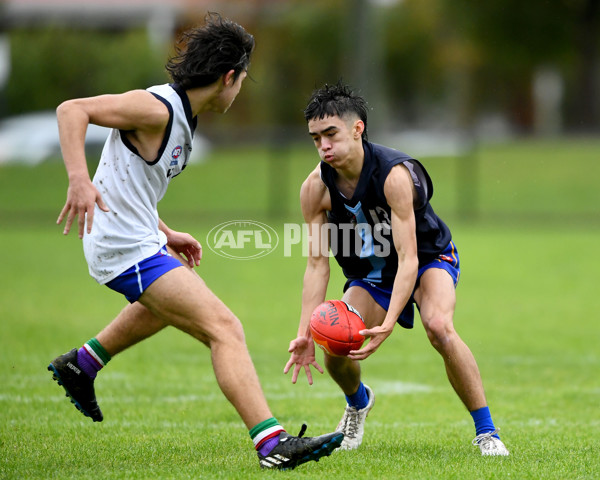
(175, 154)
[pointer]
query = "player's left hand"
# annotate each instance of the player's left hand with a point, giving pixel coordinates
(303, 356)
(377, 336)
(186, 245)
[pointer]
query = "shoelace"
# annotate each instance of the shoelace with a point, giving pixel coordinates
(291, 440)
(351, 422)
(483, 437)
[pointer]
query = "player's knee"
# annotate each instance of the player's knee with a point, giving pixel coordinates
(227, 328)
(439, 330)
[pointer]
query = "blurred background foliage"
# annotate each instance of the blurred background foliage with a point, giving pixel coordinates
(497, 66)
(90, 63)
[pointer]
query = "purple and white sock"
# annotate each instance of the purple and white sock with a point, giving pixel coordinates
(92, 357)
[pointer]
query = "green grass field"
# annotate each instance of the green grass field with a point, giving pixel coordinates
(528, 307)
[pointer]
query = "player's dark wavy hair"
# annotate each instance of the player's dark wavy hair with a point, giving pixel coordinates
(336, 100)
(208, 52)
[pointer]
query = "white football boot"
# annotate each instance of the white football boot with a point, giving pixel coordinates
(490, 445)
(352, 423)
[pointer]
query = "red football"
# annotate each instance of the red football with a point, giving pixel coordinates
(335, 325)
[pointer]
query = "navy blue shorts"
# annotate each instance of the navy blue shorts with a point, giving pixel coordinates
(448, 260)
(133, 281)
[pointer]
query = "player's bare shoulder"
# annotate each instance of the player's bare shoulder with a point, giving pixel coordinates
(148, 119)
(148, 112)
(314, 195)
(399, 187)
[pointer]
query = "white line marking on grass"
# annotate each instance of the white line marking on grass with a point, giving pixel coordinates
(400, 388)
(416, 425)
(274, 393)
(15, 398)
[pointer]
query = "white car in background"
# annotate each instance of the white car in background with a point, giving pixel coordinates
(32, 138)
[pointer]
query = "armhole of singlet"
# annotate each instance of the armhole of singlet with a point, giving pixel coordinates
(166, 136)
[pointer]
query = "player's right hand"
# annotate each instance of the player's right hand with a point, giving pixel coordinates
(303, 356)
(82, 197)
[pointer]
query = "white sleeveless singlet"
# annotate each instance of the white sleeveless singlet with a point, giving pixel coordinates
(131, 188)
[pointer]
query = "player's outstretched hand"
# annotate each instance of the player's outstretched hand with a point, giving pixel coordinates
(377, 336)
(82, 197)
(186, 245)
(303, 356)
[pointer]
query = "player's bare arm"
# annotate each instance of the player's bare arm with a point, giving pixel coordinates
(187, 248)
(315, 201)
(400, 193)
(113, 111)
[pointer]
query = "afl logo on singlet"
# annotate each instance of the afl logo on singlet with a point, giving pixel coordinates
(176, 153)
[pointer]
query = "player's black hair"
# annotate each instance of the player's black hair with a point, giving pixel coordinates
(207, 52)
(336, 100)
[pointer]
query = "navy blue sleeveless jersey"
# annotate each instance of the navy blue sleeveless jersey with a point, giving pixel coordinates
(360, 227)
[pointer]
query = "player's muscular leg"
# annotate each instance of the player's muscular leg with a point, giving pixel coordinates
(436, 298)
(346, 372)
(133, 324)
(182, 299)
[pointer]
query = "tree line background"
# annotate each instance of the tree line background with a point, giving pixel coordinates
(523, 67)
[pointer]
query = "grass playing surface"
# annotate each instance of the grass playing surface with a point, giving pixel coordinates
(527, 307)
